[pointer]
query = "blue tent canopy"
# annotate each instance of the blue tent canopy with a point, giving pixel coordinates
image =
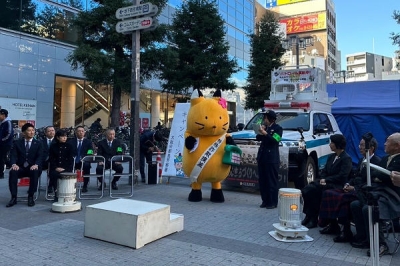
(371, 106)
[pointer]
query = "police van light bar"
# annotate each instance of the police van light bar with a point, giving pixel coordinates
(294, 105)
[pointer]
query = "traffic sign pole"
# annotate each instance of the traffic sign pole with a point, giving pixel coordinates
(135, 100)
(141, 19)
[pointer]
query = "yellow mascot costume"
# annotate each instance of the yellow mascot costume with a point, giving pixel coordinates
(205, 140)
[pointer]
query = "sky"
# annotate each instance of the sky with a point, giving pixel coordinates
(365, 26)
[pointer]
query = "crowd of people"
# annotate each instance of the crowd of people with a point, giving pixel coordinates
(340, 195)
(56, 154)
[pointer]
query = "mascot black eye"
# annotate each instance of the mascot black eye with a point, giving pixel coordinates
(220, 117)
(206, 117)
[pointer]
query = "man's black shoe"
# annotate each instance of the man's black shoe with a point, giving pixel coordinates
(306, 220)
(383, 250)
(114, 186)
(12, 202)
(312, 224)
(263, 205)
(331, 229)
(84, 190)
(31, 202)
(360, 244)
(271, 207)
(343, 237)
(100, 186)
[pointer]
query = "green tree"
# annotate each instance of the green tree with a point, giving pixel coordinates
(266, 53)
(14, 18)
(55, 22)
(197, 56)
(105, 55)
(396, 36)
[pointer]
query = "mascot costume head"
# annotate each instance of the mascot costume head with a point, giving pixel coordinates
(206, 139)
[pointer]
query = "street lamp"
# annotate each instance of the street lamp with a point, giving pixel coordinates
(299, 43)
(344, 74)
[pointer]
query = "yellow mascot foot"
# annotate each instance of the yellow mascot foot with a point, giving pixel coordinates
(195, 195)
(217, 195)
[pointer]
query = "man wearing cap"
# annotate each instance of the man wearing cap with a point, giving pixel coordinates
(147, 147)
(268, 160)
(6, 138)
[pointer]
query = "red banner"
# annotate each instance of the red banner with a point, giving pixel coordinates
(305, 23)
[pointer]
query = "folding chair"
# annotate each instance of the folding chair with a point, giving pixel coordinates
(387, 227)
(92, 159)
(129, 174)
(24, 182)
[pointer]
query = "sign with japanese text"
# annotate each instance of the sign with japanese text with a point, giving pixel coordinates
(134, 24)
(136, 11)
(172, 165)
(293, 77)
(245, 175)
(305, 23)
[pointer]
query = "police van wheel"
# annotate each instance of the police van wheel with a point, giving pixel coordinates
(311, 171)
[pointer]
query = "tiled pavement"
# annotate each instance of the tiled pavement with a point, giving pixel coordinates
(230, 233)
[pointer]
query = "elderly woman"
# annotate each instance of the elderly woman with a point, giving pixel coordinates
(334, 175)
(335, 204)
(61, 158)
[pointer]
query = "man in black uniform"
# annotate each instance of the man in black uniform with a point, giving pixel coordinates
(46, 142)
(268, 160)
(147, 147)
(107, 148)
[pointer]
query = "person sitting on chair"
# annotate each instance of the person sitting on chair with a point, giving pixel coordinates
(109, 147)
(81, 147)
(334, 175)
(26, 160)
(386, 194)
(61, 156)
(46, 142)
(335, 203)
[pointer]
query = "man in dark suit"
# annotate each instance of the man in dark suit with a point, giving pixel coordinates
(26, 160)
(268, 160)
(82, 146)
(46, 142)
(107, 148)
(387, 197)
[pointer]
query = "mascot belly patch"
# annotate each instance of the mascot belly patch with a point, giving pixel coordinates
(205, 141)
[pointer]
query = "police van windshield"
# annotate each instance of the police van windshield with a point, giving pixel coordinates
(288, 121)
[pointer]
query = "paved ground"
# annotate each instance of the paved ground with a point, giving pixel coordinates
(231, 233)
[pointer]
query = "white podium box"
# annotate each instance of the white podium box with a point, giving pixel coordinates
(130, 223)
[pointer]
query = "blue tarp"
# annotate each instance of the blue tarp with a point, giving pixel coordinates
(371, 106)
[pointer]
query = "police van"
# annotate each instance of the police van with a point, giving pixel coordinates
(300, 100)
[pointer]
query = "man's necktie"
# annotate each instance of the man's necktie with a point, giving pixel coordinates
(48, 143)
(27, 152)
(109, 144)
(78, 157)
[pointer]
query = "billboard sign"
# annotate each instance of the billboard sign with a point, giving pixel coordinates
(286, 2)
(20, 111)
(270, 3)
(305, 23)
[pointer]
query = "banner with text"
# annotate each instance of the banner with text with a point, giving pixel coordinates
(20, 111)
(305, 23)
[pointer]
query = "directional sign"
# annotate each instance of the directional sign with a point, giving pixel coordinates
(134, 24)
(146, 9)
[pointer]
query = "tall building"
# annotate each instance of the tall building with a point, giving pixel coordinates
(36, 40)
(311, 26)
(364, 66)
